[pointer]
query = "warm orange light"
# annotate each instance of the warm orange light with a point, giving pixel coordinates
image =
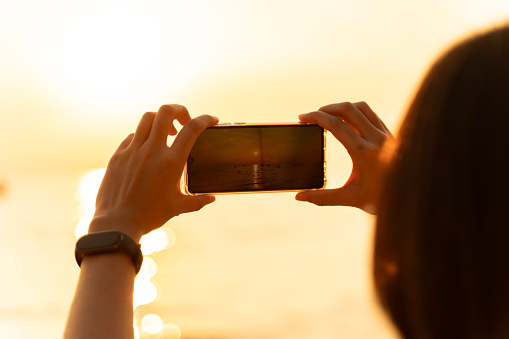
(105, 53)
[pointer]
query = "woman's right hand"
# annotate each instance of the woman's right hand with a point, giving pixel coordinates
(141, 188)
(363, 134)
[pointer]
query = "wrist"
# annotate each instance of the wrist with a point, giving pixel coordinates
(110, 243)
(113, 223)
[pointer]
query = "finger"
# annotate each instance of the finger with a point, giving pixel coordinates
(371, 115)
(327, 197)
(163, 122)
(143, 129)
(126, 142)
(354, 118)
(336, 197)
(341, 130)
(195, 203)
(185, 140)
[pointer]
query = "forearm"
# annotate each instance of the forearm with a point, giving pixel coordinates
(103, 303)
(140, 192)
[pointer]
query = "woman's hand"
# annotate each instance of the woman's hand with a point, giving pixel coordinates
(141, 188)
(363, 134)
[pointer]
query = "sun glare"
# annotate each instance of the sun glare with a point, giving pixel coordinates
(103, 55)
(120, 55)
(110, 50)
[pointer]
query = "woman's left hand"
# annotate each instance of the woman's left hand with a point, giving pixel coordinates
(363, 134)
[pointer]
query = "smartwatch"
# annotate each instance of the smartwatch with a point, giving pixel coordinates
(108, 242)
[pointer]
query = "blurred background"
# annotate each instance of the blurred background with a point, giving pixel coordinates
(75, 77)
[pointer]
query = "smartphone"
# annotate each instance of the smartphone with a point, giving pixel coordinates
(251, 158)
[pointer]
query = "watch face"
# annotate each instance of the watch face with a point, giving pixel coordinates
(99, 240)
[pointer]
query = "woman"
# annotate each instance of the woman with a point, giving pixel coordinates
(441, 252)
(440, 191)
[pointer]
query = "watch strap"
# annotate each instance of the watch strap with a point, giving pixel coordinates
(108, 242)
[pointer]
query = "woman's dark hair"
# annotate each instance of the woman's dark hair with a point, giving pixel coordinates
(441, 260)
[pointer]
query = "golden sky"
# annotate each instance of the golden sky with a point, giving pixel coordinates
(75, 77)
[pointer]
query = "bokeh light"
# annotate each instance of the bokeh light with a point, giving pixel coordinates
(171, 331)
(137, 333)
(172, 237)
(149, 266)
(87, 191)
(145, 291)
(155, 241)
(152, 324)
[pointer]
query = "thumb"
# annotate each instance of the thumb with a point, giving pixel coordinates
(327, 197)
(195, 203)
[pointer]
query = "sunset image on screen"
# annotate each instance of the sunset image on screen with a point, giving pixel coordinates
(265, 158)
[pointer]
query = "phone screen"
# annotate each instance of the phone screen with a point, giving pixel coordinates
(257, 158)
